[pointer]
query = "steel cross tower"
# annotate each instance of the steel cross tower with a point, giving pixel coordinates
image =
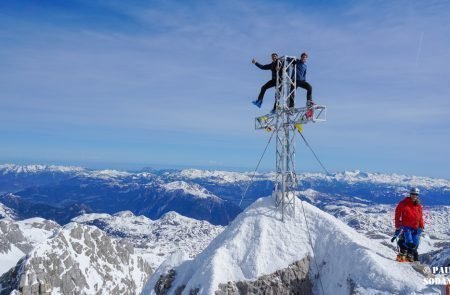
(284, 122)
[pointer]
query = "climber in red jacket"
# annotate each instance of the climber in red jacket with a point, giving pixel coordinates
(409, 221)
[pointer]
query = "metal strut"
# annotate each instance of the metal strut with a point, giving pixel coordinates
(284, 123)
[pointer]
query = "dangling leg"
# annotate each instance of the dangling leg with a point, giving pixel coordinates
(308, 87)
(266, 86)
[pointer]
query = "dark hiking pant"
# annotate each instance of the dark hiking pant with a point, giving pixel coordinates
(269, 84)
(304, 85)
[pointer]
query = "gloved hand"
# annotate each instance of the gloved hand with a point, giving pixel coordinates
(396, 234)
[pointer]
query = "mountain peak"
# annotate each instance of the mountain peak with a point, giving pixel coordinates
(258, 243)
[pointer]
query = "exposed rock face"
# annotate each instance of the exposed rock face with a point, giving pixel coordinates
(292, 280)
(78, 260)
(17, 238)
(165, 283)
(12, 235)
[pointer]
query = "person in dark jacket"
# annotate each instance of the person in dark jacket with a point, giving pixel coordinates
(273, 66)
(300, 77)
(409, 219)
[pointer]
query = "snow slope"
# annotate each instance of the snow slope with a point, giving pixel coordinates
(257, 243)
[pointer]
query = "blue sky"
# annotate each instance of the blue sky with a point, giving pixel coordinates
(127, 84)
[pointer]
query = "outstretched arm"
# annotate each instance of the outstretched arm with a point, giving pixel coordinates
(262, 67)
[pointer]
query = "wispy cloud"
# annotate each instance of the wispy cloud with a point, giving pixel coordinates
(168, 68)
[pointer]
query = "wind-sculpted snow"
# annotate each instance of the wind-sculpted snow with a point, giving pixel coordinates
(258, 243)
(78, 260)
(155, 240)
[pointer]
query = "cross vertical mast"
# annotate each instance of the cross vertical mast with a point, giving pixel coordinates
(284, 122)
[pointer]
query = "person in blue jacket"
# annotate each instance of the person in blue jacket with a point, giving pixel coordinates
(300, 77)
(273, 66)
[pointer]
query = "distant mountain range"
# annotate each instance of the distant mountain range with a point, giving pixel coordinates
(61, 193)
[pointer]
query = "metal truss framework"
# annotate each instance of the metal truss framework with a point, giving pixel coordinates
(285, 121)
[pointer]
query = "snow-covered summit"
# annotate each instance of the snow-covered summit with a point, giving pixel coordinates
(189, 189)
(257, 243)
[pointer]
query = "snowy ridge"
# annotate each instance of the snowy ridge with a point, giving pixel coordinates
(345, 176)
(257, 243)
(107, 174)
(224, 177)
(217, 176)
(155, 240)
(190, 189)
(23, 169)
(379, 178)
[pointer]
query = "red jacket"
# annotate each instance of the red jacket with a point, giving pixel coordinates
(408, 214)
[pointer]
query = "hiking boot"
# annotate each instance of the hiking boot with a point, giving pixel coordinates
(401, 257)
(257, 103)
(309, 103)
(410, 257)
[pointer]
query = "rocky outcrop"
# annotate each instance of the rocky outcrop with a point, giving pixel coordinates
(12, 235)
(17, 238)
(78, 260)
(291, 280)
